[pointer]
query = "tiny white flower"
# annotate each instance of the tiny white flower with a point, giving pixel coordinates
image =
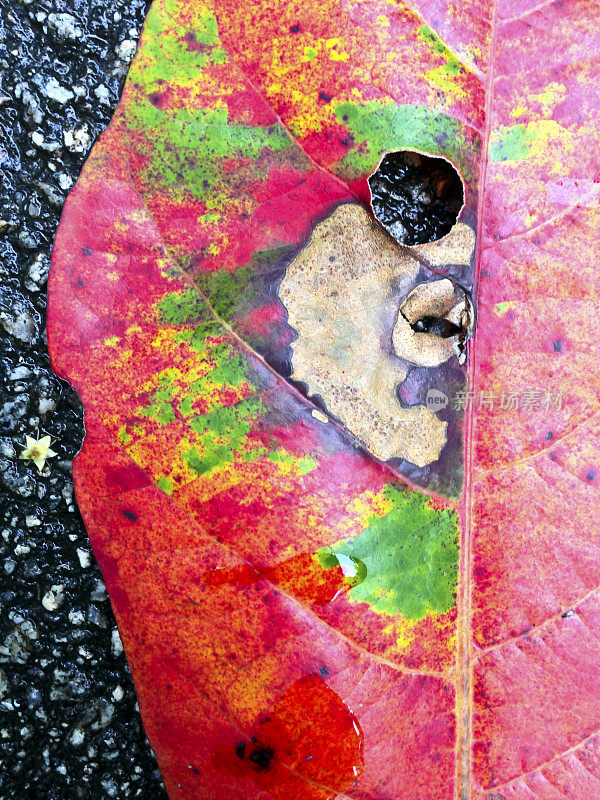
(37, 450)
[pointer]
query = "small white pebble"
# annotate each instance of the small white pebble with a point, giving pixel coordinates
(77, 736)
(118, 693)
(126, 49)
(45, 404)
(76, 617)
(319, 415)
(116, 645)
(56, 92)
(102, 93)
(67, 493)
(54, 597)
(19, 373)
(32, 522)
(85, 558)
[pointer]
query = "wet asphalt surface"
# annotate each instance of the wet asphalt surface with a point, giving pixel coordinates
(69, 724)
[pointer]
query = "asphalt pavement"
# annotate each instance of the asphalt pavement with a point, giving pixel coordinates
(69, 723)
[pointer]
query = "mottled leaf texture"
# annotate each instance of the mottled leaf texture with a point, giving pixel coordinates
(325, 587)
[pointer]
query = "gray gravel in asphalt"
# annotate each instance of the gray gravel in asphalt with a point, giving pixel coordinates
(69, 724)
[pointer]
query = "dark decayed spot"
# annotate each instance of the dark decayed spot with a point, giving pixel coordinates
(557, 345)
(417, 198)
(240, 749)
(262, 757)
(195, 46)
(324, 96)
(549, 435)
(86, 251)
(130, 515)
(591, 475)
(295, 28)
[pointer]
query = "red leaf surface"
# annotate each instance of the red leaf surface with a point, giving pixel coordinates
(312, 604)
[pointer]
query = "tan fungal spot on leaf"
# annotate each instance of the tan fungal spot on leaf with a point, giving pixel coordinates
(455, 248)
(342, 294)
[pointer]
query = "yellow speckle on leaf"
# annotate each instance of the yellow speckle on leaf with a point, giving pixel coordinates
(333, 45)
(502, 308)
(520, 111)
(37, 450)
(333, 56)
(403, 630)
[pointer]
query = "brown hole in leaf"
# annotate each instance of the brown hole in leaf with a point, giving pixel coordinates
(434, 321)
(417, 198)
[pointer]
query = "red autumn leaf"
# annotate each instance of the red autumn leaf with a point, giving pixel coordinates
(313, 602)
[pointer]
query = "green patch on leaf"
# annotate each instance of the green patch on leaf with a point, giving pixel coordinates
(123, 436)
(306, 465)
(511, 143)
(410, 558)
(187, 148)
(231, 369)
(452, 65)
(378, 128)
(161, 403)
(165, 484)
(172, 53)
(197, 338)
(232, 294)
(302, 466)
(179, 308)
(225, 288)
(223, 431)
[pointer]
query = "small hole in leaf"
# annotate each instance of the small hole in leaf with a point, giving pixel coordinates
(438, 326)
(417, 198)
